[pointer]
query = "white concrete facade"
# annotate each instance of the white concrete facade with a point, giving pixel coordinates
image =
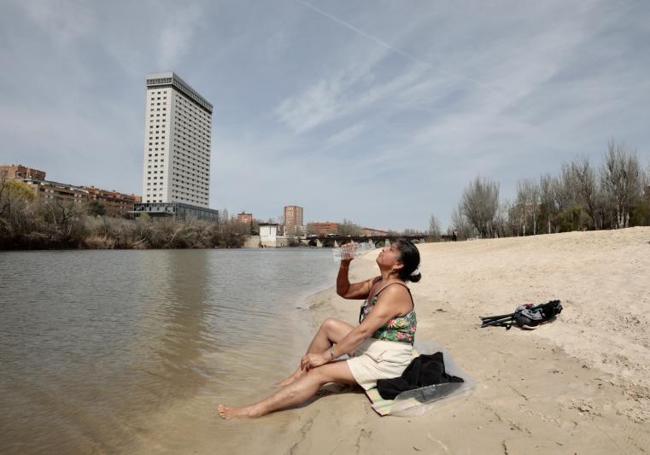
(178, 128)
(268, 235)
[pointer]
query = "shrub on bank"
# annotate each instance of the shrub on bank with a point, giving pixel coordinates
(27, 223)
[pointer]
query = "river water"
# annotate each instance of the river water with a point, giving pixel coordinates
(115, 351)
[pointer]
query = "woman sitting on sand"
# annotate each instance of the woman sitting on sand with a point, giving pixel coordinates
(380, 346)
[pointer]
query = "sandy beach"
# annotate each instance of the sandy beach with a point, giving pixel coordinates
(577, 385)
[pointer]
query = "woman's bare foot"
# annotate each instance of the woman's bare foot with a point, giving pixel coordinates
(230, 413)
(291, 379)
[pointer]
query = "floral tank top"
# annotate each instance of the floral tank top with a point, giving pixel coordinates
(400, 329)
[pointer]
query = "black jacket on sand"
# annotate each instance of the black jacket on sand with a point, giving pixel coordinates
(424, 370)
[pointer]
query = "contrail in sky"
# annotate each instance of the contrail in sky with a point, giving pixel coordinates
(362, 33)
(386, 45)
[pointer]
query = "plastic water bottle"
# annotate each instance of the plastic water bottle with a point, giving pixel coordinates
(351, 250)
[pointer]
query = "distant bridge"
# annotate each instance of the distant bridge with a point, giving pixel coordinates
(329, 241)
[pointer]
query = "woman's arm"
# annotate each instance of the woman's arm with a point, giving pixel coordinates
(346, 290)
(391, 303)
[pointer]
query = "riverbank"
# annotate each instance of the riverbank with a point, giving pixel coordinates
(578, 385)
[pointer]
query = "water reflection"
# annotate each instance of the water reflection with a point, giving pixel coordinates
(180, 281)
(96, 345)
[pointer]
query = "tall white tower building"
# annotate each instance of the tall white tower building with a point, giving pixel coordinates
(178, 126)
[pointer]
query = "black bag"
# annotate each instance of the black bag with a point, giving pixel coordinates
(424, 370)
(527, 316)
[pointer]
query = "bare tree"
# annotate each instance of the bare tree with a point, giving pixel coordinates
(434, 228)
(506, 223)
(565, 189)
(587, 189)
(642, 212)
(347, 227)
(480, 203)
(579, 197)
(4, 201)
(460, 225)
(413, 232)
(621, 178)
(586, 186)
(547, 203)
(526, 207)
(224, 216)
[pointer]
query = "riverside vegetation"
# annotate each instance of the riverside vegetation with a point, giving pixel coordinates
(29, 223)
(582, 197)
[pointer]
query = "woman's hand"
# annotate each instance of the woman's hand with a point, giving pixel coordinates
(348, 251)
(313, 360)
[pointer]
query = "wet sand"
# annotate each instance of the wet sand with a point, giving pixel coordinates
(578, 385)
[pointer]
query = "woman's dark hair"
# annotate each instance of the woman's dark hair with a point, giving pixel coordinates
(410, 257)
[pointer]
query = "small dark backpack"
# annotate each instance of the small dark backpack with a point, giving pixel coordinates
(527, 316)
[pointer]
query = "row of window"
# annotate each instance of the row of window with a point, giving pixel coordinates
(192, 155)
(195, 188)
(192, 133)
(191, 118)
(194, 163)
(191, 158)
(202, 146)
(198, 110)
(179, 161)
(190, 171)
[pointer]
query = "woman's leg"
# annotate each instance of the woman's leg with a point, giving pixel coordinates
(295, 393)
(330, 332)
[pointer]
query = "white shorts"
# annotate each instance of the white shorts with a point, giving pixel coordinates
(378, 359)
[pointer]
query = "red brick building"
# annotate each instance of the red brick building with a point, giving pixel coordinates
(18, 171)
(369, 232)
(115, 204)
(246, 218)
(293, 215)
(323, 228)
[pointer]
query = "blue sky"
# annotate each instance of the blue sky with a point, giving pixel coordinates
(376, 111)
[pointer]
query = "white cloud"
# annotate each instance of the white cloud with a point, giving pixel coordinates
(346, 134)
(63, 21)
(177, 34)
(313, 107)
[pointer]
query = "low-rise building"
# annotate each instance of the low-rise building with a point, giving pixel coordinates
(295, 231)
(268, 235)
(49, 191)
(176, 210)
(321, 229)
(115, 204)
(245, 218)
(18, 171)
(369, 232)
